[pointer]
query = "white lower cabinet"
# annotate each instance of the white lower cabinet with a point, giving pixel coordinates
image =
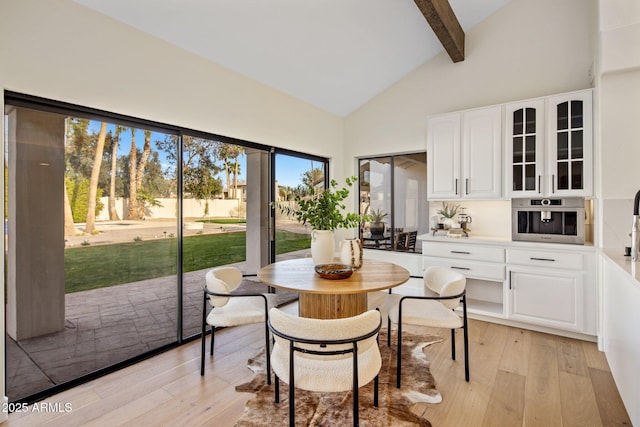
(552, 299)
(483, 266)
(552, 289)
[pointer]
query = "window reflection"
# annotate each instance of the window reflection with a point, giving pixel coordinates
(393, 192)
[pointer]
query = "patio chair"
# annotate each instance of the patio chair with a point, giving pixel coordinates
(406, 241)
(443, 292)
(325, 355)
(230, 308)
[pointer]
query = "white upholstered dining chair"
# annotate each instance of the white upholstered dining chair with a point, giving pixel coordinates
(325, 355)
(230, 308)
(444, 290)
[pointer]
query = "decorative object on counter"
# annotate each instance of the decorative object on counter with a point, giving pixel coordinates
(464, 219)
(456, 232)
(448, 211)
(334, 271)
(351, 252)
(323, 210)
(377, 225)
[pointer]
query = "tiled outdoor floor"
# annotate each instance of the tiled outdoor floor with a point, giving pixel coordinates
(104, 326)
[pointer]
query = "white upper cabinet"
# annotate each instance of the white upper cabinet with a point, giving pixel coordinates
(464, 155)
(443, 156)
(524, 148)
(482, 153)
(548, 146)
(570, 142)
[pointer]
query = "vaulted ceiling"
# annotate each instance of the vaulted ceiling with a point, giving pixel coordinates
(334, 54)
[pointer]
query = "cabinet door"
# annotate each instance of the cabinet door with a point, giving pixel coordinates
(570, 158)
(482, 153)
(524, 151)
(550, 299)
(443, 157)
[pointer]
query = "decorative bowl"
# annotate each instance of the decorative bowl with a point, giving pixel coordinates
(334, 271)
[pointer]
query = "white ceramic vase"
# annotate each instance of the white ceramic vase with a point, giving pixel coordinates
(351, 252)
(322, 246)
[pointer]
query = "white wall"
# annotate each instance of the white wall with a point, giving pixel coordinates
(60, 50)
(526, 49)
(619, 125)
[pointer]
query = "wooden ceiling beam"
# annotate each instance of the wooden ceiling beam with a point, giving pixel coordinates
(444, 23)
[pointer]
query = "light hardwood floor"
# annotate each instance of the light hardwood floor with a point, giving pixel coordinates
(518, 378)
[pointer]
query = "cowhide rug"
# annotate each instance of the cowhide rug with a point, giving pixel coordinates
(335, 409)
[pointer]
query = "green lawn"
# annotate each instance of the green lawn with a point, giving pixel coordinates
(92, 267)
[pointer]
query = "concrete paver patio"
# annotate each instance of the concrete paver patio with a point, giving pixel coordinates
(108, 325)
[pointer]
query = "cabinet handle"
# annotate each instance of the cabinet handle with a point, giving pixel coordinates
(456, 185)
(539, 184)
(542, 259)
(553, 183)
(460, 268)
(509, 279)
(461, 252)
(466, 186)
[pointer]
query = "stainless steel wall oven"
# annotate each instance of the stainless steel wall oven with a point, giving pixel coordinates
(548, 220)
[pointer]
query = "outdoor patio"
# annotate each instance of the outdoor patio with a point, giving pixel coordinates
(106, 326)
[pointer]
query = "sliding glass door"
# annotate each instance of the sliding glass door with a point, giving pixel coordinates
(294, 176)
(91, 249)
(112, 222)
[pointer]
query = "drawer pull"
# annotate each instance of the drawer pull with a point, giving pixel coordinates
(461, 252)
(543, 259)
(460, 268)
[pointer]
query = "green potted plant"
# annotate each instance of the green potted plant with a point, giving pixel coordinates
(377, 225)
(448, 211)
(324, 211)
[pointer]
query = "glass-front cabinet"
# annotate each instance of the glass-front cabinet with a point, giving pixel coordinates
(569, 118)
(549, 146)
(525, 148)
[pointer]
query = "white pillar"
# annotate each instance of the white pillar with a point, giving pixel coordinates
(258, 181)
(35, 267)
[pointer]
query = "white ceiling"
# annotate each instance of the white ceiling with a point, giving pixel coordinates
(334, 54)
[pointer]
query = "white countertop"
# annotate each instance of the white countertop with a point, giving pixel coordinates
(624, 262)
(500, 241)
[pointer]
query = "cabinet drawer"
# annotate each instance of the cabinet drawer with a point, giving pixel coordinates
(472, 269)
(462, 251)
(566, 260)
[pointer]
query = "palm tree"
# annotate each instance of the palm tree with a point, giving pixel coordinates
(93, 183)
(237, 151)
(69, 226)
(113, 213)
(133, 189)
(146, 151)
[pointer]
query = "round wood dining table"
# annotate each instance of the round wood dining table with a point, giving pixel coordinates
(332, 299)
